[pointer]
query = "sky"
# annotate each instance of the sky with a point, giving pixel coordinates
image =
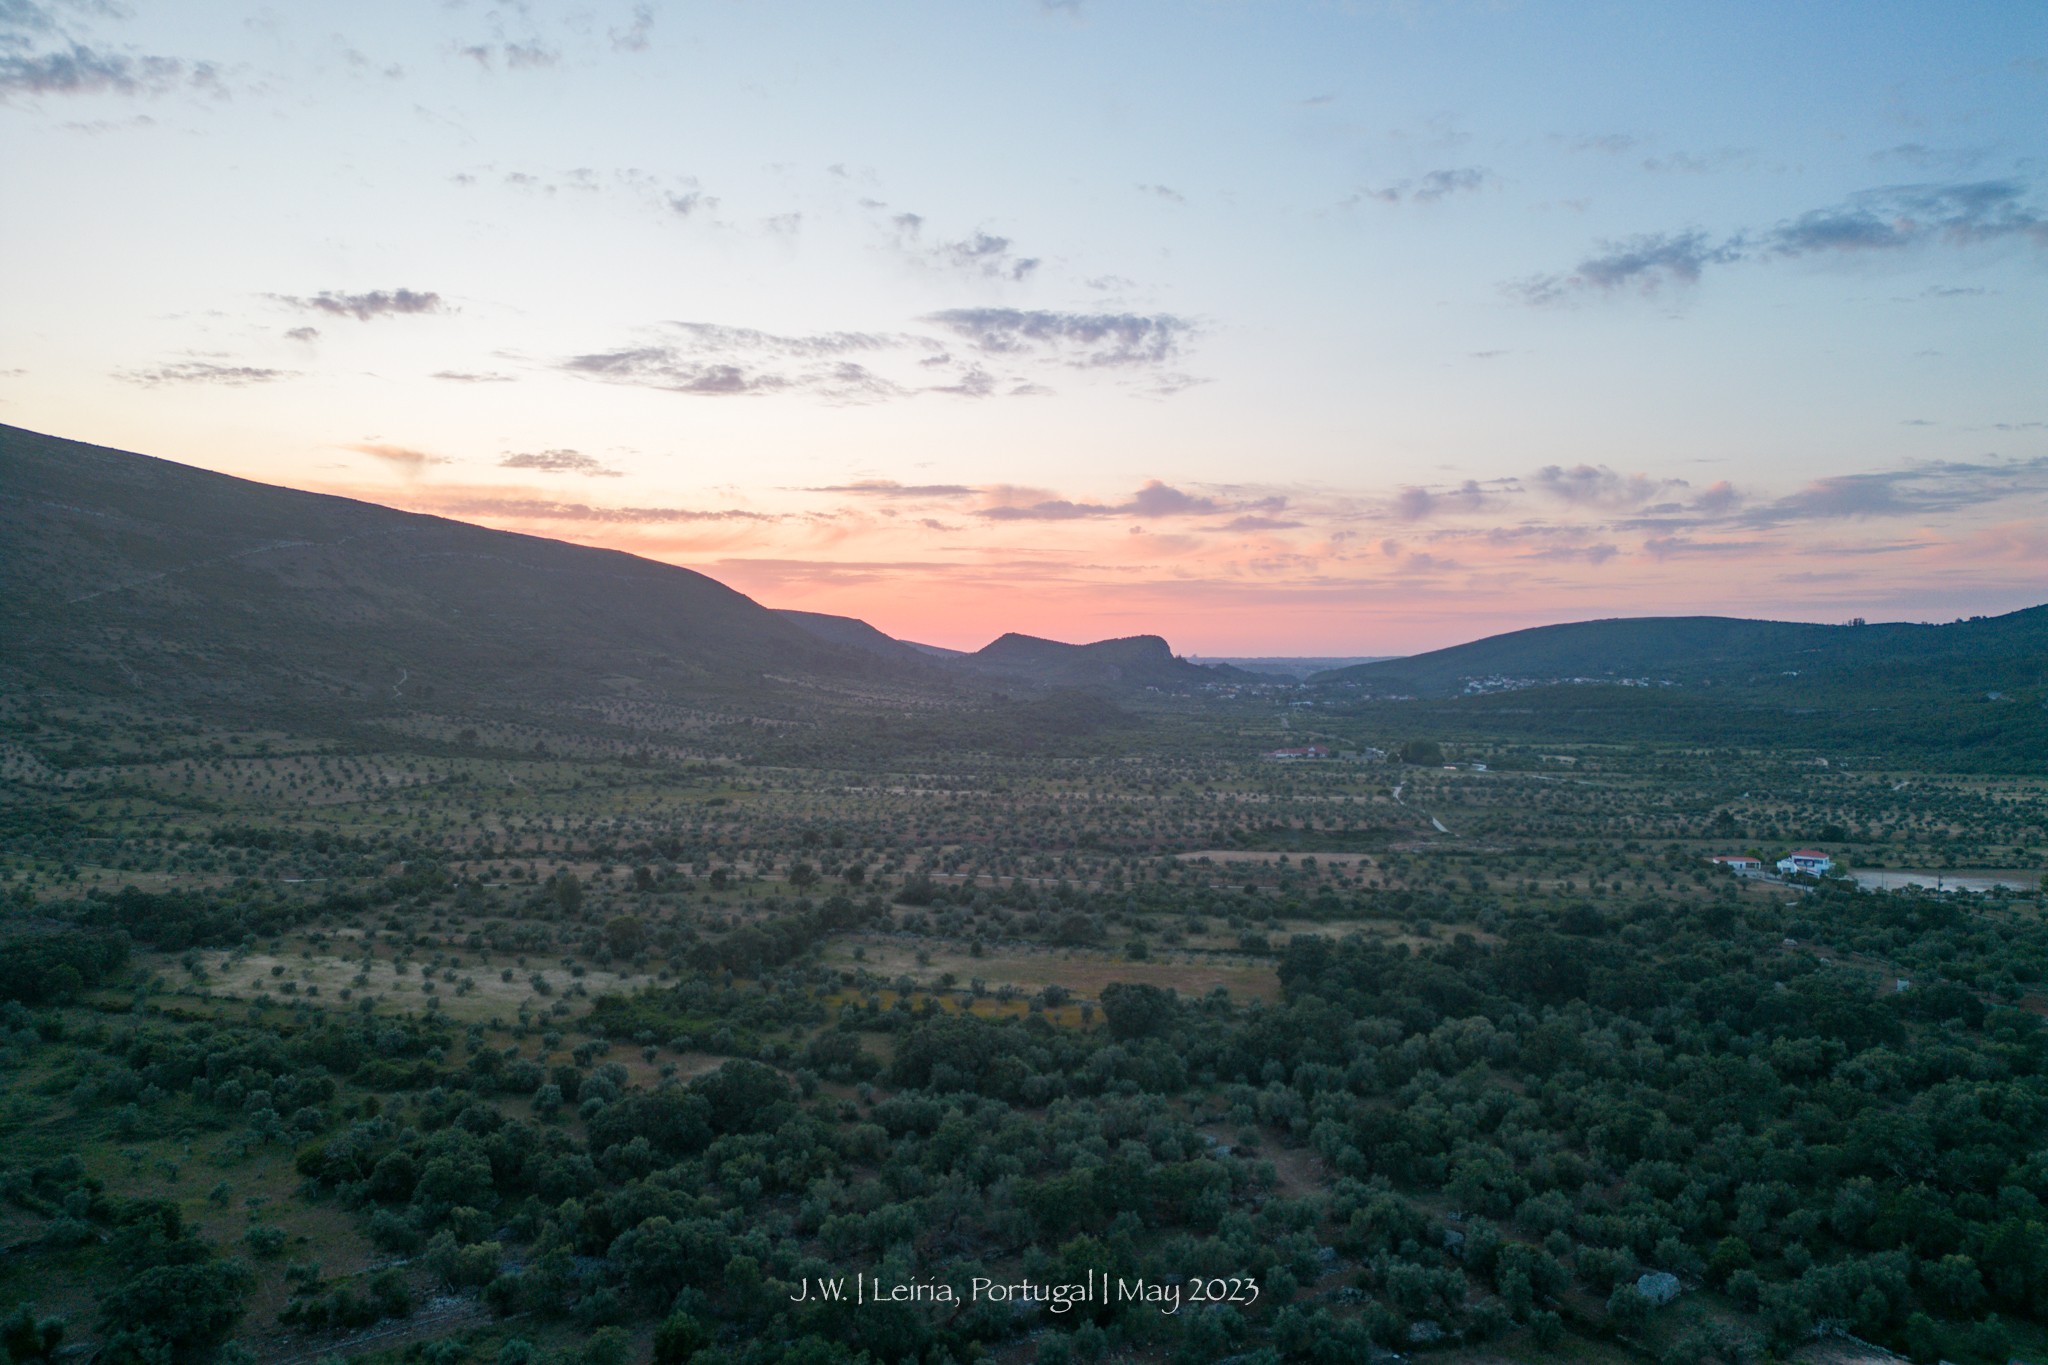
(1270, 327)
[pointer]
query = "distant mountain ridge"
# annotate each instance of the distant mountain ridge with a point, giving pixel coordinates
(1976, 656)
(1136, 661)
(1133, 661)
(138, 579)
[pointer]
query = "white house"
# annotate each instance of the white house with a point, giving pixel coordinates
(1736, 862)
(1306, 751)
(1810, 861)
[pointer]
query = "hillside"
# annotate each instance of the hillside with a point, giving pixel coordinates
(138, 579)
(1974, 691)
(855, 633)
(1979, 655)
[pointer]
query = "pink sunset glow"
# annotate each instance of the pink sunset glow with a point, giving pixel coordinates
(1251, 569)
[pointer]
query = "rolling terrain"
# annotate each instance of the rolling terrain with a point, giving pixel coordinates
(1983, 653)
(146, 584)
(421, 944)
(1975, 691)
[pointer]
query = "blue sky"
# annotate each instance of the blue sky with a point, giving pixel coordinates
(1270, 327)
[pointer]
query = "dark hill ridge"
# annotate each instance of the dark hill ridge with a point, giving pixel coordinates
(135, 577)
(1985, 654)
(1135, 661)
(854, 633)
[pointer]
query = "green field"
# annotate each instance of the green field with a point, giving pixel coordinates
(347, 1046)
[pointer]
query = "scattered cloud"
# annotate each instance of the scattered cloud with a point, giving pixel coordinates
(1002, 347)
(472, 377)
(1259, 523)
(689, 203)
(1428, 189)
(82, 71)
(1891, 547)
(1578, 554)
(1166, 192)
(659, 367)
(557, 462)
(973, 383)
(1683, 547)
(378, 303)
(1426, 565)
(362, 66)
(1916, 491)
(1645, 262)
(980, 254)
(40, 56)
(18, 17)
(1589, 485)
(1717, 497)
(666, 368)
(1906, 215)
(1082, 340)
(1156, 500)
(1698, 163)
(635, 36)
(550, 184)
(715, 336)
(402, 457)
(1050, 509)
(95, 127)
(1612, 144)
(1886, 219)
(889, 488)
(714, 361)
(537, 509)
(526, 56)
(202, 372)
(1417, 503)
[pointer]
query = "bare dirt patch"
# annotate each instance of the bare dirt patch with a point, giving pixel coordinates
(1081, 970)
